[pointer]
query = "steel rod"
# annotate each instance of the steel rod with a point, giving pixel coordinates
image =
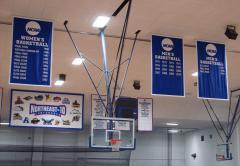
(106, 72)
(219, 134)
(220, 124)
(84, 65)
(122, 47)
(234, 115)
(129, 61)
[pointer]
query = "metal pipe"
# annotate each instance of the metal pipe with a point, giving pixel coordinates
(84, 65)
(106, 72)
(129, 61)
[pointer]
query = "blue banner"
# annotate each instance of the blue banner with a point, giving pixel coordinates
(212, 72)
(31, 52)
(167, 66)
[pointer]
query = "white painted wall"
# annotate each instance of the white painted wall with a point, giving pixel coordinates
(206, 150)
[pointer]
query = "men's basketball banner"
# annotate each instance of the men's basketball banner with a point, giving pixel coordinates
(167, 66)
(212, 70)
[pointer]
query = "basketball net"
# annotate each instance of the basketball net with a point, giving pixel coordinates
(115, 143)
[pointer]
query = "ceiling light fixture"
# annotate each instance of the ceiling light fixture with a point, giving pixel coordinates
(78, 61)
(195, 74)
(101, 21)
(173, 131)
(4, 124)
(172, 124)
(61, 80)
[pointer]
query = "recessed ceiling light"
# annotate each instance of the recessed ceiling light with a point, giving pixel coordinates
(4, 123)
(78, 61)
(101, 21)
(172, 124)
(173, 131)
(59, 83)
(195, 74)
(61, 80)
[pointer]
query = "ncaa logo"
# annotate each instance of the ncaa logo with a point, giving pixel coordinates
(32, 28)
(211, 49)
(167, 44)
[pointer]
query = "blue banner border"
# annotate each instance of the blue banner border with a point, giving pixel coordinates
(183, 67)
(226, 65)
(38, 19)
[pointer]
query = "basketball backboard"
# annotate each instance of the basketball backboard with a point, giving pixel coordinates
(112, 133)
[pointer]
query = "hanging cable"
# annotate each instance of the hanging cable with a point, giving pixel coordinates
(215, 126)
(84, 65)
(235, 125)
(229, 111)
(234, 116)
(129, 61)
(220, 124)
(121, 50)
(118, 50)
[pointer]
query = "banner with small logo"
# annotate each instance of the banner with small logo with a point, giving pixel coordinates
(212, 70)
(31, 52)
(167, 66)
(46, 109)
(145, 114)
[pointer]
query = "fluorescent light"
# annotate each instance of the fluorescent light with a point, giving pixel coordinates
(173, 131)
(4, 123)
(59, 82)
(195, 74)
(172, 124)
(101, 21)
(78, 61)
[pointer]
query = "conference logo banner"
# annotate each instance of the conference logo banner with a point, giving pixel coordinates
(167, 66)
(46, 109)
(212, 70)
(31, 52)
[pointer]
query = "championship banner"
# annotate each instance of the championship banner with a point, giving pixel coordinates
(31, 52)
(212, 71)
(145, 114)
(167, 66)
(46, 109)
(98, 109)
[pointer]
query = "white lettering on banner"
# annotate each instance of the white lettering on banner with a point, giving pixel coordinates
(39, 39)
(47, 109)
(171, 58)
(31, 43)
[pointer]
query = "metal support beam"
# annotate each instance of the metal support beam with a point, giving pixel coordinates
(106, 73)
